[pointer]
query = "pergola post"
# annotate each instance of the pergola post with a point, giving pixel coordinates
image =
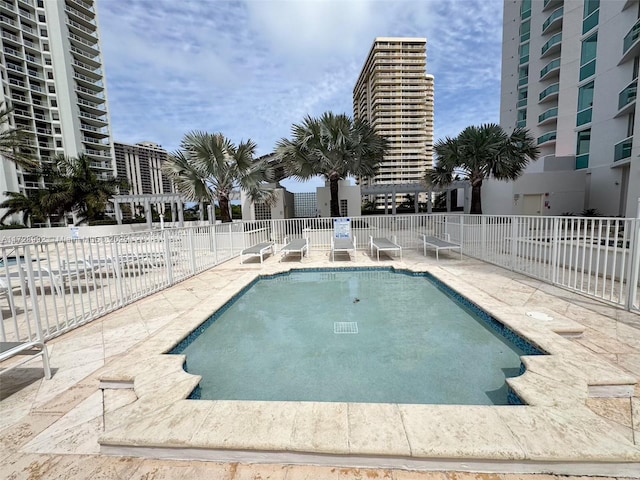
(201, 211)
(448, 192)
(386, 204)
(393, 202)
(173, 212)
(118, 212)
(415, 203)
(147, 213)
(180, 213)
(430, 201)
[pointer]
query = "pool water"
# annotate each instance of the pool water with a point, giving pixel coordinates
(278, 341)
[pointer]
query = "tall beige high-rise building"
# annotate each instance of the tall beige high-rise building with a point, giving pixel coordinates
(394, 94)
(52, 76)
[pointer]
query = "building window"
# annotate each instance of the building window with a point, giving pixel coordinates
(523, 94)
(591, 13)
(54, 102)
(524, 53)
(582, 149)
(585, 104)
(523, 76)
(588, 57)
(525, 31)
(631, 122)
(43, 32)
(41, 18)
(50, 75)
(522, 118)
(525, 9)
(344, 211)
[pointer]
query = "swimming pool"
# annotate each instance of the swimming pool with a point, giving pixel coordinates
(362, 335)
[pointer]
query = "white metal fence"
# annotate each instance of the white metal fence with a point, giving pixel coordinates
(58, 285)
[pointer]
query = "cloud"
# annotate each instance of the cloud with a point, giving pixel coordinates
(250, 69)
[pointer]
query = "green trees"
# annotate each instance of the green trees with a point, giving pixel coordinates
(76, 187)
(334, 147)
(209, 166)
(481, 152)
(15, 143)
(71, 186)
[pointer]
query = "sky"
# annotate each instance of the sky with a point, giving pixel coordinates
(251, 69)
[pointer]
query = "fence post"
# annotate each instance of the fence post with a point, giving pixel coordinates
(231, 238)
(555, 240)
(514, 241)
(168, 256)
(192, 250)
(483, 238)
(33, 292)
(632, 284)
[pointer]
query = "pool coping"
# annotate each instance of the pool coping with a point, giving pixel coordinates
(555, 432)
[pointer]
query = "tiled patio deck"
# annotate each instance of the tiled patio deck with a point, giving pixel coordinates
(50, 429)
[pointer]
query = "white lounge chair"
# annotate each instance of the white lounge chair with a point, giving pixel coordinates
(33, 348)
(5, 291)
(429, 241)
(296, 245)
(258, 250)
(385, 245)
(347, 245)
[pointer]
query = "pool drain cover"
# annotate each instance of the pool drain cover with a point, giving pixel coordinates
(345, 327)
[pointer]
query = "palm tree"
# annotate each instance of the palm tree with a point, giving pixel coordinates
(483, 152)
(15, 142)
(334, 147)
(77, 188)
(29, 206)
(209, 166)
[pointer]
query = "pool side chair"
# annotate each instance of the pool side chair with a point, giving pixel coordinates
(299, 246)
(385, 245)
(31, 349)
(347, 245)
(258, 250)
(437, 244)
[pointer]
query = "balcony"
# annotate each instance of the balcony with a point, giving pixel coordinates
(549, 93)
(552, 46)
(10, 36)
(19, 83)
(7, 20)
(87, 43)
(554, 22)
(630, 44)
(88, 80)
(550, 4)
(622, 150)
(548, 116)
(79, 15)
(8, 6)
(88, 91)
(627, 99)
(521, 103)
(84, 5)
(13, 52)
(15, 68)
(547, 138)
(523, 81)
(551, 69)
(91, 32)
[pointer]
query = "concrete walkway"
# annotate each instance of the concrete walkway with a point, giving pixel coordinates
(50, 429)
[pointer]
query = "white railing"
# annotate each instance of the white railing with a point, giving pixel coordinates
(62, 284)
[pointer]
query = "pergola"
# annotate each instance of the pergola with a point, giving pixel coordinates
(416, 188)
(174, 199)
